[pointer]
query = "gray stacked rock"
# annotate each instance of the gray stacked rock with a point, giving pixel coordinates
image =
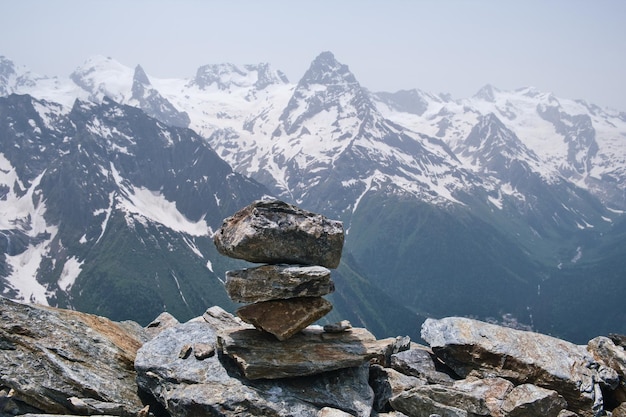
(297, 247)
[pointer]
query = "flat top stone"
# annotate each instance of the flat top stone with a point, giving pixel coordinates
(272, 282)
(272, 231)
(309, 352)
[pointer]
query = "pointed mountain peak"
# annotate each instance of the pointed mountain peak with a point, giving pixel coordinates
(325, 69)
(494, 145)
(327, 86)
(140, 76)
(487, 93)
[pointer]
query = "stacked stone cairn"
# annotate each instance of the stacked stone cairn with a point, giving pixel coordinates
(297, 247)
(284, 296)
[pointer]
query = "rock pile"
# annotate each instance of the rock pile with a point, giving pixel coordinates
(286, 295)
(298, 246)
(62, 362)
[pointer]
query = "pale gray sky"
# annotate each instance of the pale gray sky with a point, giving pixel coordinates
(573, 48)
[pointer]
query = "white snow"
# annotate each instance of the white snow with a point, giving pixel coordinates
(107, 212)
(70, 272)
(23, 214)
(152, 205)
(178, 286)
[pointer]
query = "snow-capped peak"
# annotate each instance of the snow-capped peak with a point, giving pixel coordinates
(487, 93)
(325, 69)
(104, 76)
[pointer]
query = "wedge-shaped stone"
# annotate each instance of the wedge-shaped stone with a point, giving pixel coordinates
(284, 318)
(274, 232)
(485, 349)
(309, 352)
(275, 282)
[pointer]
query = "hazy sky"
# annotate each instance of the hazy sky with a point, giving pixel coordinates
(573, 48)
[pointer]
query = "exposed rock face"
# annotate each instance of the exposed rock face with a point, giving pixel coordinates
(310, 352)
(469, 346)
(423, 364)
(285, 318)
(473, 397)
(275, 282)
(613, 356)
(215, 386)
(275, 232)
(63, 362)
(531, 400)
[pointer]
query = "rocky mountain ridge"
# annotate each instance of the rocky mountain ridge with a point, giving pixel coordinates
(470, 369)
(514, 199)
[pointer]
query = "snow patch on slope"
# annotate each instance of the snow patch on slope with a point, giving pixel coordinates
(25, 214)
(153, 206)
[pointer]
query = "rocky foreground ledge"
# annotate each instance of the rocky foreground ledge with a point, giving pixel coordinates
(62, 362)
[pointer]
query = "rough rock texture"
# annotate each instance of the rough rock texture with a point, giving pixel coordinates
(387, 383)
(422, 363)
(310, 352)
(531, 400)
(163, 321)
(489, 350)
(274, 232)
(475, 396)
(275, 282)
(215, 386)
(219, 319)
(49, 356)
(63, 362)
(605, 351)
(285, 318)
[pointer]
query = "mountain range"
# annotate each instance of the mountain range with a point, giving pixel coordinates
(506, 206)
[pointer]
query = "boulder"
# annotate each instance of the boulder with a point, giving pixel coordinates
(605, 351)
(531, 400)
(485, 349)
(214, 385)
(60, 361)
(275, 282)
(387, 383)
(422, 363)
(415, 404)
(274, 232)
(309, 352)
(474, 396)
(285, 318)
